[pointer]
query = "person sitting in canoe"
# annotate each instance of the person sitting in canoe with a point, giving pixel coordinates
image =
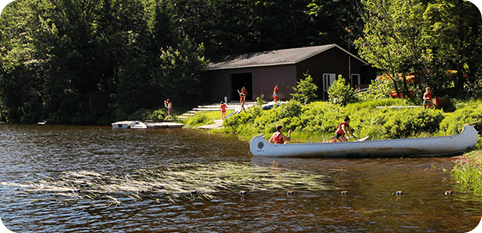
(343, 128)
(333, 139)
(278, 137)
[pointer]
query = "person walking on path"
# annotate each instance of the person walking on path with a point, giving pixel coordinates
(427, 98)
(275, 93)
(223, 110)
(242, 97)
(168, 105)
(343, 128)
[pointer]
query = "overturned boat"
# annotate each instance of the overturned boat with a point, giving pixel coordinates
(409, 147)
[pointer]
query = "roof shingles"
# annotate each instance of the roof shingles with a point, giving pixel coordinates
(270, 58)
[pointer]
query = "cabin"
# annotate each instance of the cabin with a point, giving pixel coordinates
(260, 72)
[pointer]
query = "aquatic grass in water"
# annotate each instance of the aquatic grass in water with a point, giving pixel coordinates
(468, 173)
(174, 182)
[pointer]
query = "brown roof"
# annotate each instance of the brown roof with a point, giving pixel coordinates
(273, 58)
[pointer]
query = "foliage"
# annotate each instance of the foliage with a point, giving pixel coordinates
(147, 114)
(340, 92)
(204, 118)
(377, 90)
(235, 27)
(392, 39)
(467, 114)
(198, 119)
(56, 54)
(317, 118)
(425, 39)
(405, 123)
(467, 173)
(305, 90)
(65, 52)
(453, 31)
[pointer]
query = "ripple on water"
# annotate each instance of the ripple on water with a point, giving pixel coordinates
(84, 179)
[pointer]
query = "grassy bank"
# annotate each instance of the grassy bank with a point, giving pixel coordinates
(372, 118)
(203, 118)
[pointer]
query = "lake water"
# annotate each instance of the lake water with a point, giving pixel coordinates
(97, 179)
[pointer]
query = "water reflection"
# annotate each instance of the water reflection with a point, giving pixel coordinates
(64, 178)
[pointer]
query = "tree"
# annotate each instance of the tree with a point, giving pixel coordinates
(305, 90)
(23, 62)
(392, 39)
(160, 64)
(454, 33)
(336, 21)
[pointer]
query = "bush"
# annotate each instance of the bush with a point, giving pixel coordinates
(406, 123)
(341, 93)
(468, 114)
(376, 91)
(139, 115)
(305, 90)
(146, 114)
(238, 121)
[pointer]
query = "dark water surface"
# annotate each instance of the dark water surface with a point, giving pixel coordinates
(96, 179)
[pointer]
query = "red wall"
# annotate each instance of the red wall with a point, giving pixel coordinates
(265, 78)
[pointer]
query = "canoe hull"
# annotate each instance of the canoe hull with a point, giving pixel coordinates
(410, 147)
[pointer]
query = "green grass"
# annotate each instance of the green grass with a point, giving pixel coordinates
(468, 171)
(203, 118)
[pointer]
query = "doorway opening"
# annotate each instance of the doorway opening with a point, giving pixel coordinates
(239, 81)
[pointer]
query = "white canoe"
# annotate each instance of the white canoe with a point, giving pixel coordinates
(409, 147)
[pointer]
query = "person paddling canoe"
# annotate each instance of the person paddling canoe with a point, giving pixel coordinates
(343, 128)
(278, 137)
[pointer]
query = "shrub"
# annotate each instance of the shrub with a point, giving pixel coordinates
(340, 92)
(145, 114)
(376, 91)
(238, 120)
(158, 115)
(468, 114)
(411, 122)
(305, 90)
(139, 115)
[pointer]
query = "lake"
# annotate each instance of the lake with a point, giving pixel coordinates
(99, 179)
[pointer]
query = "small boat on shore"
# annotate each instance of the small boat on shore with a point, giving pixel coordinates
(129, 125)
(409, 147)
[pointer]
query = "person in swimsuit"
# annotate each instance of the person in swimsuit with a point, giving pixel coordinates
(343, 128)
(168, 105)
(275, 93)
(223, 110)
(242, 97)
(278, 137)
(427, 98)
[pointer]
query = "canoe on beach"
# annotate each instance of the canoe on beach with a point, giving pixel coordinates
(408, 147)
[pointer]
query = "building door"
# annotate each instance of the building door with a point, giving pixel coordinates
(328, 80)
(239, 81)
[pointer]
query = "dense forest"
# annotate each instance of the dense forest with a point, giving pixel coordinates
(96, 61)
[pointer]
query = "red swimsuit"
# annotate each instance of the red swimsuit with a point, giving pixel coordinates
(277, 139)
